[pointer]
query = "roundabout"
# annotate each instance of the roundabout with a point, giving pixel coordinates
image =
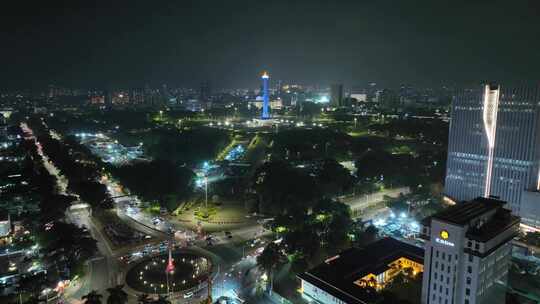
(150, 276)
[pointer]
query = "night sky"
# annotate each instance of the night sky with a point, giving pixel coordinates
(228, 42)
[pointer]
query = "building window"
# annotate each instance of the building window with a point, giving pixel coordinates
(467, 291)
(435, 275)
(469, 244)
(466, 301)
(476, 246)
(444, 255)
(469, 269)
(447, 280)
(435, 286)
(447, 291)
(436, 264)
(468, 281)
(437, 253)
(471, 258)
(448, 269)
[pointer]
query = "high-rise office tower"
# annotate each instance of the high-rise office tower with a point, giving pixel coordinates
(279, 88)
(204, 91)
(336, 95)
(371, 92)
(467, 253)
(266, 98)
(389, 100)
(494, 148)
(137, 96)
(107, 97)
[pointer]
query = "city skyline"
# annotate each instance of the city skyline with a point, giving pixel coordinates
(229, 152)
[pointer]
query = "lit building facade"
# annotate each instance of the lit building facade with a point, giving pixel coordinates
(467, 253)
(494, 147)
(343, 278)
(5, 225)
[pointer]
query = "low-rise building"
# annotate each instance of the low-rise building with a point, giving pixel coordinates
(344, 277)
(5, 225)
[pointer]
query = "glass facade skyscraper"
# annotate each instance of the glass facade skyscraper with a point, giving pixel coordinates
(494, 147)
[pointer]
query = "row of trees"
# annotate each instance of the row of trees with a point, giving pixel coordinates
(432, 131)
(157, 180)
(81, 168)
(190, 147)
(394, 170)
(63, 247)
(306, 144)
(282, 188)
(118, 296)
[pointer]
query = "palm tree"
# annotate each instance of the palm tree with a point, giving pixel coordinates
(117, 295)
(144, 298)
(93, 297)
(268, 260)
(161, 300)
(31, 284)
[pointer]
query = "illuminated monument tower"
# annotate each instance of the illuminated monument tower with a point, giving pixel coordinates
(266, 103)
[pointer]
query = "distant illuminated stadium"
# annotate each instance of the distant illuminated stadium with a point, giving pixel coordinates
(110, 151)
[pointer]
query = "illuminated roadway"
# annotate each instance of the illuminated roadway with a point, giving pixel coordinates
(104, 270)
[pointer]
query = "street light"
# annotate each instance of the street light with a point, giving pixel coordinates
(206, 191)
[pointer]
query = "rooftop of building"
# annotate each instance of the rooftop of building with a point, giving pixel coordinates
(337, 274)
(498, 223)
(464, 212)
(4, 215)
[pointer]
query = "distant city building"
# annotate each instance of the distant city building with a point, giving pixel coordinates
(388, 99)
(344, 277)
(360, 97)
(372, 92)
(57, 91)
(5, 224)
(107, 97)
(96, 98)
(136, 97)
(205, 91)
(279, 88)
(120, 98)
(467, 253)
(336, 95)
(407, 95)
(494, 148)
(259, 103)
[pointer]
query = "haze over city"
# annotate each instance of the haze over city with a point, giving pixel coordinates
(132, 43)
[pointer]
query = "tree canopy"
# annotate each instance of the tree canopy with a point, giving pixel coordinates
(157, 180)
(283, 189)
